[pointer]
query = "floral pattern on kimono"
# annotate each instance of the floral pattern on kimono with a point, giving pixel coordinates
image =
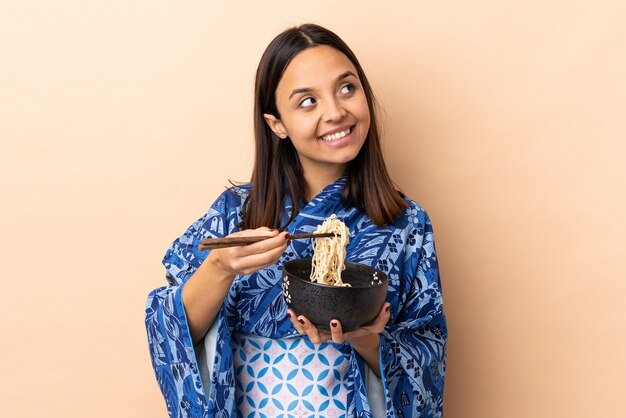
(412, 347)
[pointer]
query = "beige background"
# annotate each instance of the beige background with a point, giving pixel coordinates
(121, 121)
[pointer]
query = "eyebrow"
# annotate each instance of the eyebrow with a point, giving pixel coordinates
(307, 89)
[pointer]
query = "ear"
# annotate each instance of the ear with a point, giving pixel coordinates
(275, 125)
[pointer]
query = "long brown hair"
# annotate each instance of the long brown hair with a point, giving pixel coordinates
(277, 171)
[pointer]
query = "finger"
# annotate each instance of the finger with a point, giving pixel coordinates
(261, 260)
(294, 320)
(267, 249)
(336, 331)
(262, 231)
(275, 241)
(377, 326)
(300, 323)
(311, 330)
(385, 310)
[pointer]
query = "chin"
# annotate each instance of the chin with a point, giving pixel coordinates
(346, 160)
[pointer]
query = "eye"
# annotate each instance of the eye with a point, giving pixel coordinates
(347, 88)
(309, 101)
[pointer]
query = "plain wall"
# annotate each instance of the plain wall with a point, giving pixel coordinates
(120, 122)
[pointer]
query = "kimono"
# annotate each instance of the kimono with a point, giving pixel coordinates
(412, 347)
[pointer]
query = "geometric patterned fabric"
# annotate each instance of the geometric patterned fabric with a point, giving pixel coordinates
(288, 378)
(412, 346)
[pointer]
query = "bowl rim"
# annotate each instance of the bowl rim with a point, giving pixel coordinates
(383, 280)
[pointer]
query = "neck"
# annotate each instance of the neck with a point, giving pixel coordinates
(315, 181)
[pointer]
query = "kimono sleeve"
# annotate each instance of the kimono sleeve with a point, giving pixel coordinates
(169, 339)
(413, 346)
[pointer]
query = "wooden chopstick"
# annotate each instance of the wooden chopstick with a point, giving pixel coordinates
(215, 243)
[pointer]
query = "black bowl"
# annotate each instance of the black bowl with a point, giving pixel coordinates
(353, 306)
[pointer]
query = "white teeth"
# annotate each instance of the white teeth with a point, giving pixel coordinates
(335, 136)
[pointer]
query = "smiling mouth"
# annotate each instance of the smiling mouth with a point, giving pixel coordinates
(337, 135)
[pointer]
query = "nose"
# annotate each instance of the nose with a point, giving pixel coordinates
(333, 110)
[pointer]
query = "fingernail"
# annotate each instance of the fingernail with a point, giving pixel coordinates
(301, 321)
(287, 236)
(289, 314)
(333, 323)
(387, 308)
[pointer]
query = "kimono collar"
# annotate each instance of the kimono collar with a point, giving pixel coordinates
(332, 191)
(325, 203)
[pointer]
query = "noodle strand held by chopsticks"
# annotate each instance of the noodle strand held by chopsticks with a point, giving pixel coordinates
(329, 254)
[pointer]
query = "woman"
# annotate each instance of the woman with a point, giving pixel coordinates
(317, 153)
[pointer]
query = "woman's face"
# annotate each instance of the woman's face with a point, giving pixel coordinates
(323, 109)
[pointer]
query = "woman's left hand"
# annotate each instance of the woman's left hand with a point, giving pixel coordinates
(306, 327)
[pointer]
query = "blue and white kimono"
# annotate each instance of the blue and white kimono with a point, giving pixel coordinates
(412, 347)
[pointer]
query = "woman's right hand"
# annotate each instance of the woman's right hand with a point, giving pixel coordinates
(247, 259)
(205, 291)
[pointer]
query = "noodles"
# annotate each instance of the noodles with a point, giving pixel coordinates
(329, 254)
